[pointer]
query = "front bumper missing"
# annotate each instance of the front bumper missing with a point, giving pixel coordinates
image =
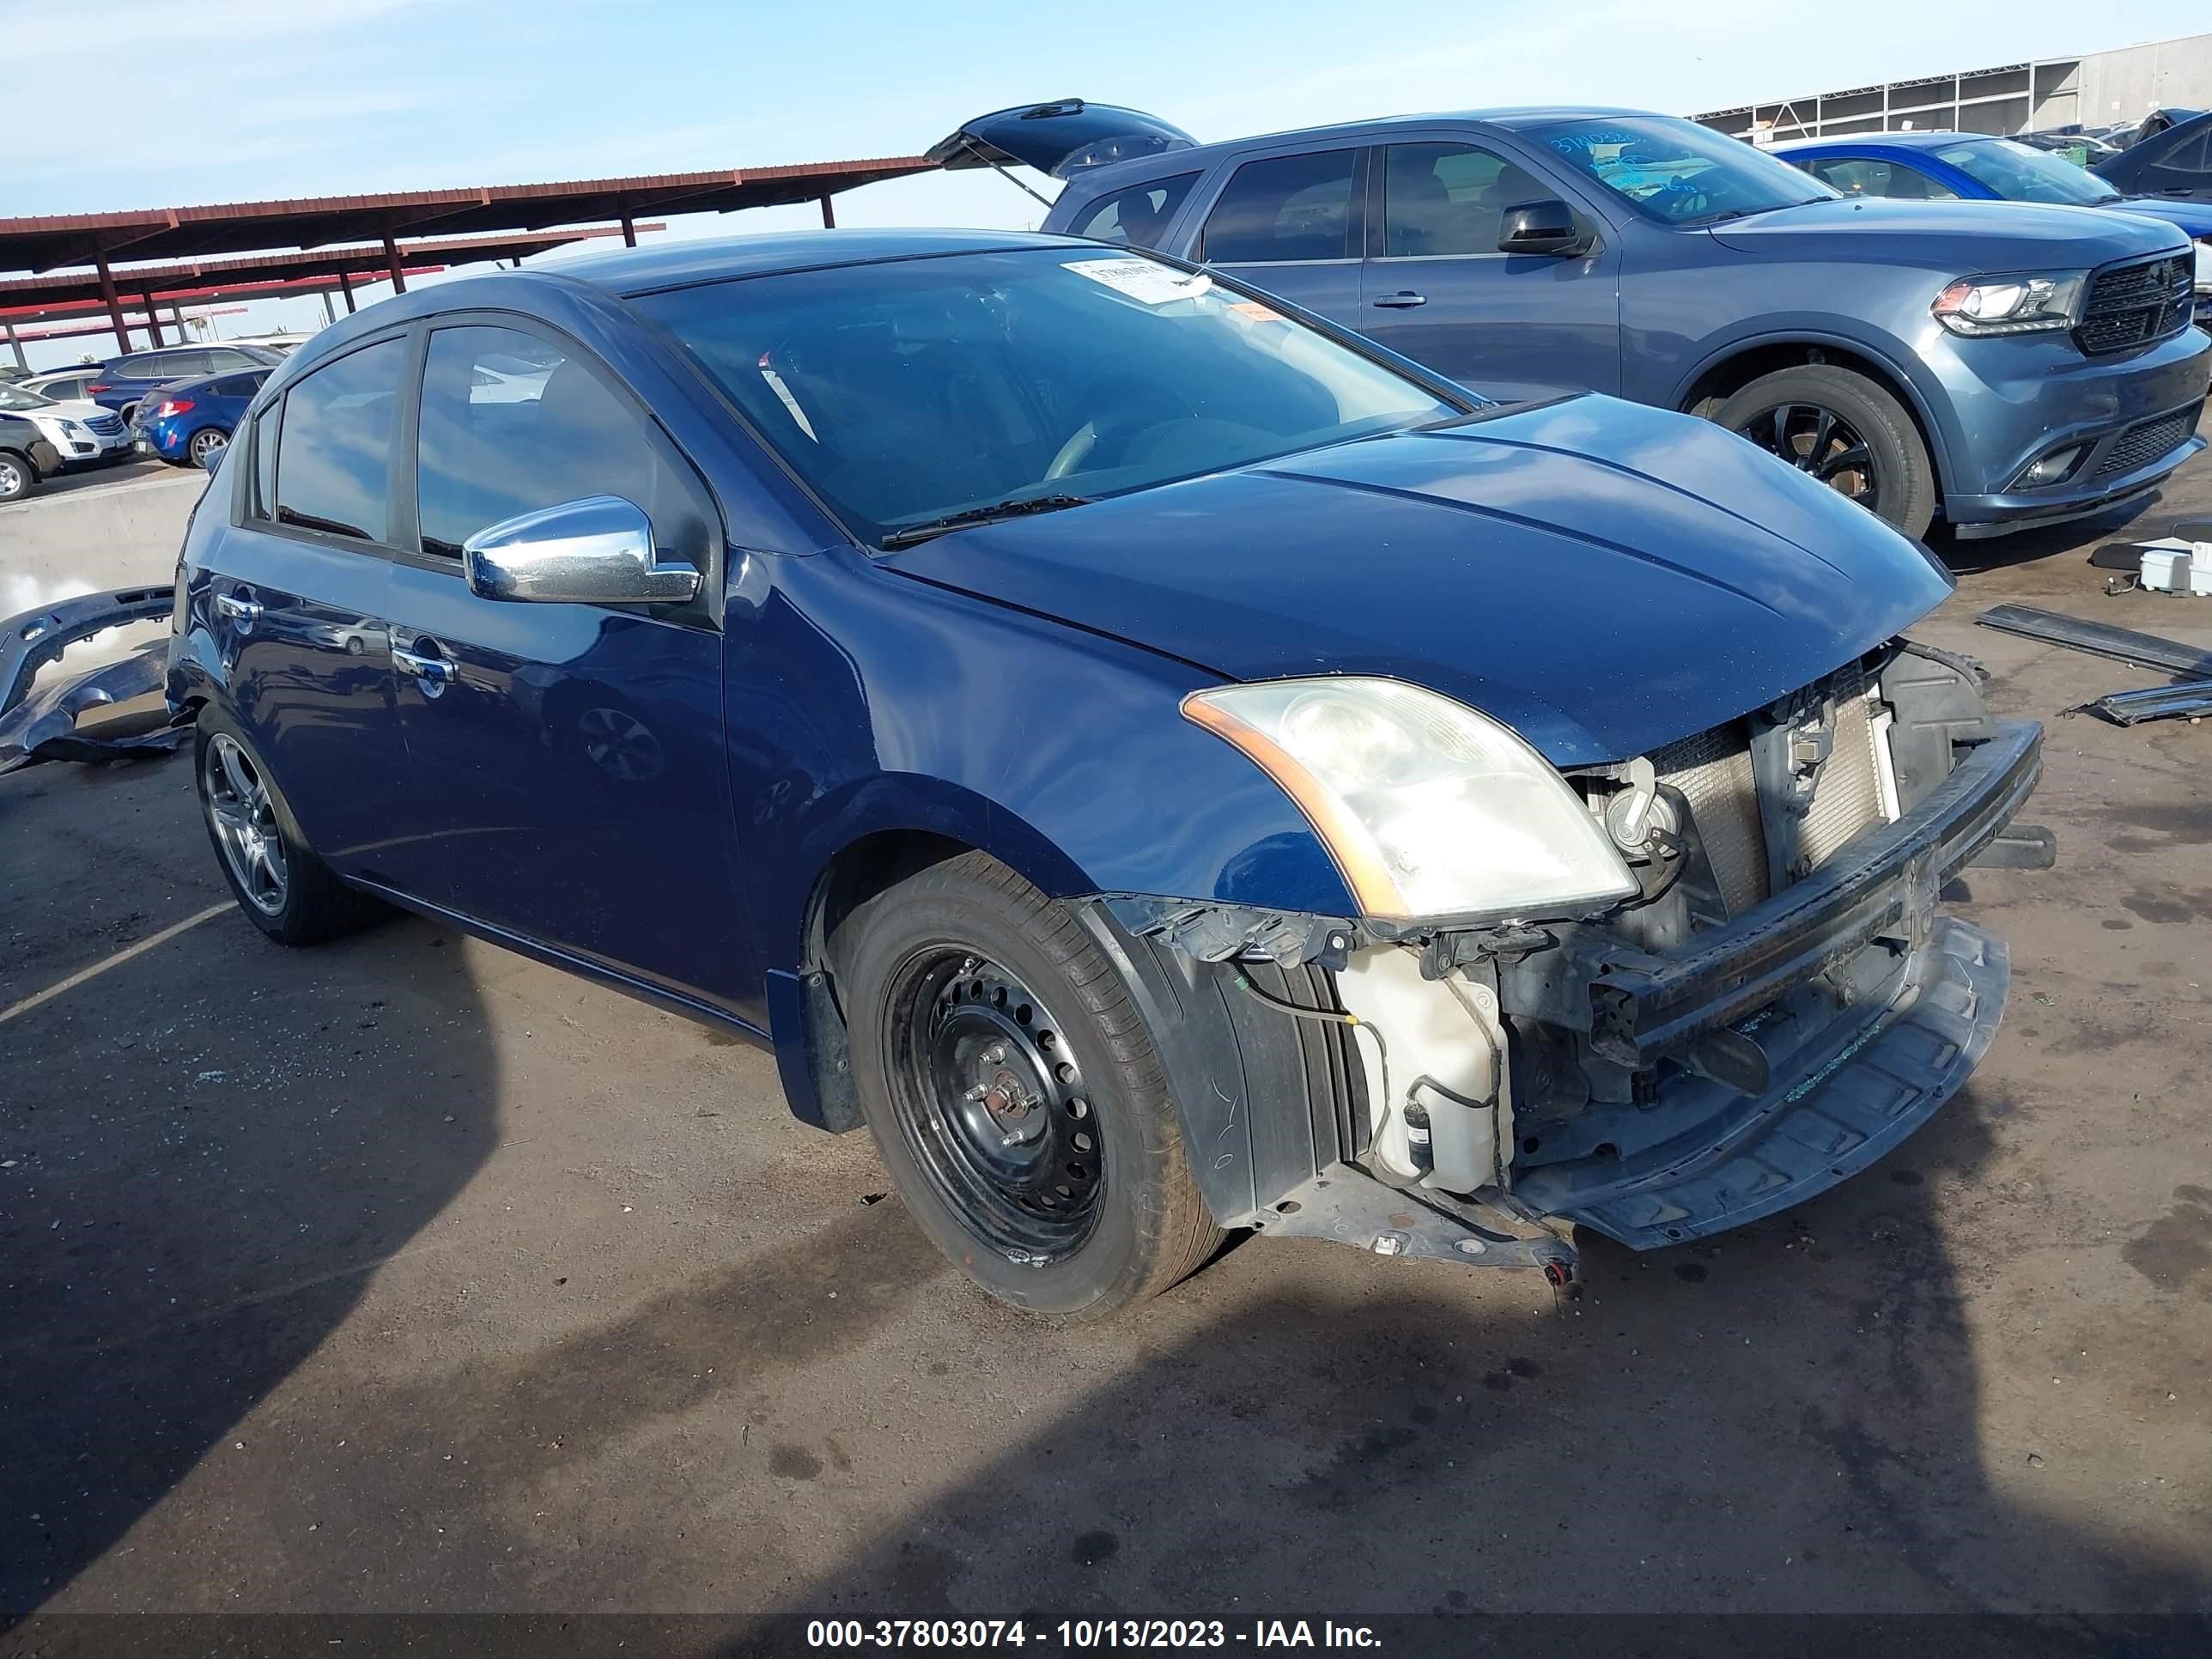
(1853, 1007)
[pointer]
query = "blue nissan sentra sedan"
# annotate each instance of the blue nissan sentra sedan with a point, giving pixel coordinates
(1161, 763)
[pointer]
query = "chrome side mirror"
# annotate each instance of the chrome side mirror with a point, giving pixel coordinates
(594, 552)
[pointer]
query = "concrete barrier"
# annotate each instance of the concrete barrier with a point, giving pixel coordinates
(90, 536)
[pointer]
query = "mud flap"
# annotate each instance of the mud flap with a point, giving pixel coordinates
(1814, 1131)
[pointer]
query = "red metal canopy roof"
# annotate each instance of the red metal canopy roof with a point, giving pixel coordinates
(20, 296)
(47, 243)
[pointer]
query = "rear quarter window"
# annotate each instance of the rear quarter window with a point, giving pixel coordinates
(1138, 217)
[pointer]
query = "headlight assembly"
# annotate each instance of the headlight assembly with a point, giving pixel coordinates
(1430, 809)
(2025, 303)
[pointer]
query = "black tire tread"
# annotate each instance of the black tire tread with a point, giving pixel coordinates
(1178, 1238)
(319, 906)
(1811, 382)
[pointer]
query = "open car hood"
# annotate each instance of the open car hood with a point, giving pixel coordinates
(1062, 138)
(1602, 577)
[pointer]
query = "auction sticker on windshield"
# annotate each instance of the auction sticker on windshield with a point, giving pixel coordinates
(1140, 279)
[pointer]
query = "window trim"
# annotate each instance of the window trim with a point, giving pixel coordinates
(1355, 207)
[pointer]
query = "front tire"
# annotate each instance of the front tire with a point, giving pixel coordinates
(18, 477)
(1014, 1093)
(1843, 429)
(284, 889)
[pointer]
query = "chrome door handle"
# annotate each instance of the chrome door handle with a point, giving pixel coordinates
(245, 611)
(438, 669)
(1403, 302)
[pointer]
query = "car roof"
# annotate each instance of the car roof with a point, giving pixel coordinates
(675, 264)
(1881, 141)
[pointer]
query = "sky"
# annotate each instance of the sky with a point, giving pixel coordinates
(313, 97)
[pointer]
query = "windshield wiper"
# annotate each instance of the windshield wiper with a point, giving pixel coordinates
(1727, 214)
(1014, 507)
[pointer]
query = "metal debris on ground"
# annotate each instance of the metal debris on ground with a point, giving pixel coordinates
(2155, 702)
(2100, 638)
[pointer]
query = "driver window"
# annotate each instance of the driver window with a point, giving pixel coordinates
(512, 422)
(1449, 199)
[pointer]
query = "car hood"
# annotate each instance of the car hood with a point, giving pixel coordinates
(1973, 236)
(2194, 218)
(1602, 577)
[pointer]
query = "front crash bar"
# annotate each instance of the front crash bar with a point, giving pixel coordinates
(1640, 1007)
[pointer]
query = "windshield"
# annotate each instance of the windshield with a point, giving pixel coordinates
(2019, 173)
(1678, 172)
(15, 397)
(907, 392)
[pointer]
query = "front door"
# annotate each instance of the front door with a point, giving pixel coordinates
(298, 583)
(1511, 327)
(1292, 225)
(567, 759)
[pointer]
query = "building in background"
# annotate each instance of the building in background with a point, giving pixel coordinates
(2097, 89)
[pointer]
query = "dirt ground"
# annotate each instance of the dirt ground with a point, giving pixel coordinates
(406, 1275)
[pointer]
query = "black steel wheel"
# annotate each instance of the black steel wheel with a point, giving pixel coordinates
(991, 1101)
(1022, 1112)
(1841, 429)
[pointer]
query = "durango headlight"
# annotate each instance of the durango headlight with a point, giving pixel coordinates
(2204, 264)
(2025, 303)
(1430, 809)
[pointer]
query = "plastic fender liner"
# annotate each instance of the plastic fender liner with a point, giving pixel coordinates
(1268, 1101)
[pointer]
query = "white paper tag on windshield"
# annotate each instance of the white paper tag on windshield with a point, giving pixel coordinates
(1140, 279)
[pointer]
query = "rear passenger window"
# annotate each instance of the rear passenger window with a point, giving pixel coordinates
(512, 422)
(1137, 217)
(1450, 199)
(1286, 208)
(334, 455)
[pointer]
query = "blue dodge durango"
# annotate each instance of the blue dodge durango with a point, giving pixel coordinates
(1990, 364)
(1161, 763)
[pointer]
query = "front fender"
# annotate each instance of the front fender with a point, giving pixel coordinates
(862, 700)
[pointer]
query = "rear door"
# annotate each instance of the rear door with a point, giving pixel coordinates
(567, 758)
(1437, 290)
(298, 583)
(1293, 222)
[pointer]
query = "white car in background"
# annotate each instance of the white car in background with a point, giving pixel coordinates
(86, 433)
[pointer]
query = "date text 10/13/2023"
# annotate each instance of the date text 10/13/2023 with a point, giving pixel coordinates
(1086, 1634)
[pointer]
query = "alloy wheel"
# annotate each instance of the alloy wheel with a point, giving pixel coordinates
(991, 1101)
(245, 818)
(207, 447)
(1821, 443)
(12, 480)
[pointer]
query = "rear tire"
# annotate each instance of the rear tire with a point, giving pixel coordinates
(284, 889)
(1843, 428)
(1015, 1095)
(206, 446)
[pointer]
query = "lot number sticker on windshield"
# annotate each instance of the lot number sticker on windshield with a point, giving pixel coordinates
(1140, 279)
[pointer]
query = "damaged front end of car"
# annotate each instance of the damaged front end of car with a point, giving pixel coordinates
(1770, 1001)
